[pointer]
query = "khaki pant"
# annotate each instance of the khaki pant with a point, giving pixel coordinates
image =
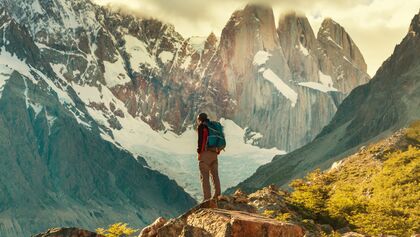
(208, 165)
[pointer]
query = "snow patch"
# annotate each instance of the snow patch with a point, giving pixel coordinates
(348, 60)
(261, 57)
(115, 73)
(36, 7)
(317, 86)
(36, 107)
(168, 127)
(166, 56)
(12, 62)
(25, 93)
(325, 79)
(303, 50)
(186, 63)
(139, 55)
(4, 77)
(335, 43)
(8, 64)
(197, 42)
(282, 87)
(50, 121)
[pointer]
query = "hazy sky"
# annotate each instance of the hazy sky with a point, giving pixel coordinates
(375, 25)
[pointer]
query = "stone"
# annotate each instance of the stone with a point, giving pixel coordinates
(151, 230)
(68, 232)
(228, 223)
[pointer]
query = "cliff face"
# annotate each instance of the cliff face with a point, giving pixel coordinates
(343, 61)
(301, 74)
(388, 102)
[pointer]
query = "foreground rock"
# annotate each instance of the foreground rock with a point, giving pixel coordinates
(230, 216)
(227, 223)
(67, 232)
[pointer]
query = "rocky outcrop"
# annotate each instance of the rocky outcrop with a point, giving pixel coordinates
(267, 212)
(206, 222)
(67, 232)
(387, 103)
(300, 46)
(152, 229)
(218, 222)
(340, 57)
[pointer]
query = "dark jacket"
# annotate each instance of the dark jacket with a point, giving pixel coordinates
(203, 133)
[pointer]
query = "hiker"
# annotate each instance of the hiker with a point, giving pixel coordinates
(207, 156)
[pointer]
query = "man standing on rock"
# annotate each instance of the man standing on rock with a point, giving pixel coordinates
(207, 157)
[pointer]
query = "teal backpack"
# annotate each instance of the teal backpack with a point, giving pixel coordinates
(216, 138)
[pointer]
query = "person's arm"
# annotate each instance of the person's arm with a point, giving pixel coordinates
(202, 138)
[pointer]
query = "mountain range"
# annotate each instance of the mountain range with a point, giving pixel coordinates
(143, 84)
(98, 107)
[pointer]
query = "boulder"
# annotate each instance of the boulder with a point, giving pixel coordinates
(152, 229)
(227, 223)
(68, 232)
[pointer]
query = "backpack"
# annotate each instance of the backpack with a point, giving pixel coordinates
(216, 138)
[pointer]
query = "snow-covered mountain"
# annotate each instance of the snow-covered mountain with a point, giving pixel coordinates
(55, 168)
(137, 85)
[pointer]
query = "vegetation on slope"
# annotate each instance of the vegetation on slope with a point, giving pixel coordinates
(375, 191)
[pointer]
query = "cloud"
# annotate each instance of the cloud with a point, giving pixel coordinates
(375, 25)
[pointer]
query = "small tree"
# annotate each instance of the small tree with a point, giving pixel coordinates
(117, 230)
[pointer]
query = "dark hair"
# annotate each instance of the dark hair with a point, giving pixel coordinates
(202, 117)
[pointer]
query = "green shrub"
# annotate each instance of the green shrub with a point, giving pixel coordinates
(413, 131)
(372, 197)
(116, 230)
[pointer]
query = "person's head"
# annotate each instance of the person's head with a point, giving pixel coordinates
(201, 118)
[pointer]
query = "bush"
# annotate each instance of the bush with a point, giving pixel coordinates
(413, 132)
(394, 206)
(116, 230)
(374, 198)
(310, 194)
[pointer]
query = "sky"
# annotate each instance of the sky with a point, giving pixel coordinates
(376, 26)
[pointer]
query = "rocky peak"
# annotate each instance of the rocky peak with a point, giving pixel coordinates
(257, 22)
(248, 31)
(405, 55)
(211, 41)
(335, 36)
(299, 46)
(415, 24)
(294, 29)
(264, 17)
